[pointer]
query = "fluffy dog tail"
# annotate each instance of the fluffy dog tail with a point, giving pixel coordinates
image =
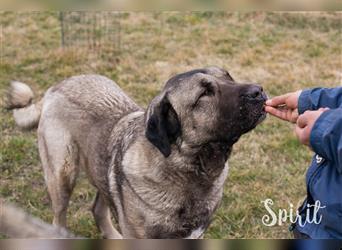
(20, 98)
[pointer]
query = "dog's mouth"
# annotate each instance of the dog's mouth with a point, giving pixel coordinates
(259, 112)
(263, 113)
(257, 116)
(262, 116)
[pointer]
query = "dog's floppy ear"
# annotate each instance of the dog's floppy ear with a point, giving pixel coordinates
(162, 124)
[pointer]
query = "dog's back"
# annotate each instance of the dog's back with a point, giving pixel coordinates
(85, 95)
(95, 95)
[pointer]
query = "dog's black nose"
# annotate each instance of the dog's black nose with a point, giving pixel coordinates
(254, 91)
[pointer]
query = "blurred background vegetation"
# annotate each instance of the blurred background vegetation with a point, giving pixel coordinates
(140, 51)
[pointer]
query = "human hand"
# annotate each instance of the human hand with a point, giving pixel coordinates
(284, 106)
(305, 123)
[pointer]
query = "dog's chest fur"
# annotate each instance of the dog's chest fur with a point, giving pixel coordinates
(157, 197)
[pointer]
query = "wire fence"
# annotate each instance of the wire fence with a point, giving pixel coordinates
(94, 30)
(24, 33)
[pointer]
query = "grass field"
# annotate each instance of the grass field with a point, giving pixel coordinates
(282, 51)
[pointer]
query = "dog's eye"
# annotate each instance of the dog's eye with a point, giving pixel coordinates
(208, 91)
(208, 88)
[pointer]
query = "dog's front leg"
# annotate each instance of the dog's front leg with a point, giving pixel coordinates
(103, 221)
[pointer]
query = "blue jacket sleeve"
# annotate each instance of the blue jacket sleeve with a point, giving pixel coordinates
(326, 137)
(313, 99)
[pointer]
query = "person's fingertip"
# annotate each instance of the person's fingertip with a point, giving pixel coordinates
(269, 102)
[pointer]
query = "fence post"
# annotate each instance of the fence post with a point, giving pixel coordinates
(61, 19)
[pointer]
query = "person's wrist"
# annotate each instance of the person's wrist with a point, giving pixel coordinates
(303, 101)
(318, 130)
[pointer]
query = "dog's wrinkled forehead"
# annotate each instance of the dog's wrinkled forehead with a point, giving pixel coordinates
(219, 73)
(212, 71)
